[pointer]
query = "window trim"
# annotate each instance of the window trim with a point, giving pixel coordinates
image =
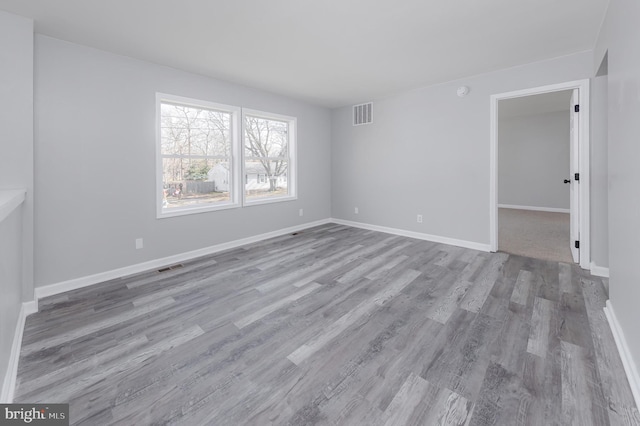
(292, 167)
(235, 165)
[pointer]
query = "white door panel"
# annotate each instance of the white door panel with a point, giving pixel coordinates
(574, 169)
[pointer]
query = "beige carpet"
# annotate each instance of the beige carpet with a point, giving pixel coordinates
(541, 235)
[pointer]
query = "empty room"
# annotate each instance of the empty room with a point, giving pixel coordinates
(331, 213)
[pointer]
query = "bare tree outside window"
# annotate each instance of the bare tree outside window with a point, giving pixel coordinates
(196, 154)
(266, 145)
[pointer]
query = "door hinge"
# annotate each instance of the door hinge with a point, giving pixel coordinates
(577, 244)
(576, 177)
(576, 108)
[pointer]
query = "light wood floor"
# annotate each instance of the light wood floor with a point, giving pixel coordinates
(334, 325)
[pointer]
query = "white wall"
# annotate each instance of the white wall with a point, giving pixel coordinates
(95, 163)
(16, 172)
(428, 153)
(11, 281)
(16, 122)
(533, 160)
(599, 173)
(620, 35)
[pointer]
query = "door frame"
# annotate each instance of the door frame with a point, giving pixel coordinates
(583, 167)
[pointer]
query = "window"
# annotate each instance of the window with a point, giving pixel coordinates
(197, 155)
(204, 150)
(269, 157)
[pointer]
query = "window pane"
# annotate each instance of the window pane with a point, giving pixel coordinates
(204, 182)
(196, 156)
(265, 179)
(265, 138)
(266, 150)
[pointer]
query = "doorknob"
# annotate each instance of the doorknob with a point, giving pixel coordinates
(567, 181)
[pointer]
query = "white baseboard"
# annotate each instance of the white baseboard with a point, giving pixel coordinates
(599, 271)
(9, 382)
(625, 354)
(418, 235)
(30, 307)
(74, 284)
(536, 209)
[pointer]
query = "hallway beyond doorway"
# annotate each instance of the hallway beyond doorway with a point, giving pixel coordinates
(541, 235)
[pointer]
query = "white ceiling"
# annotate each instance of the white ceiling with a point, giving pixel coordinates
(330, 52)
(535, 104)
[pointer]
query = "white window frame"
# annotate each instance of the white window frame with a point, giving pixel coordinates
(234, 183)
(292, 174)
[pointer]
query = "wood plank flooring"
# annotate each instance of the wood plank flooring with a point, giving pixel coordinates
(333, 326)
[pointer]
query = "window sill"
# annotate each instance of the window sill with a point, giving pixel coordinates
(194, 210)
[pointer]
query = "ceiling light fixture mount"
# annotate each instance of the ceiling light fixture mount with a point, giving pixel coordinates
(462, 91)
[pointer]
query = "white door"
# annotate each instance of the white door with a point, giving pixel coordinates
(574, 156)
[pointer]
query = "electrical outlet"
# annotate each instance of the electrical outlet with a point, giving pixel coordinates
(139, 243)
(355, 210)
(419, 218)
(301, 212)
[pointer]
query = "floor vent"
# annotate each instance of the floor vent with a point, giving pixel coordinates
(363, 114)
(170, 268)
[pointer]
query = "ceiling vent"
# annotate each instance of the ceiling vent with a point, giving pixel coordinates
(363, 114)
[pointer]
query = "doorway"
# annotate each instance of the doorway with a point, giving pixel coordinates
(534, 182)
(572, 197)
